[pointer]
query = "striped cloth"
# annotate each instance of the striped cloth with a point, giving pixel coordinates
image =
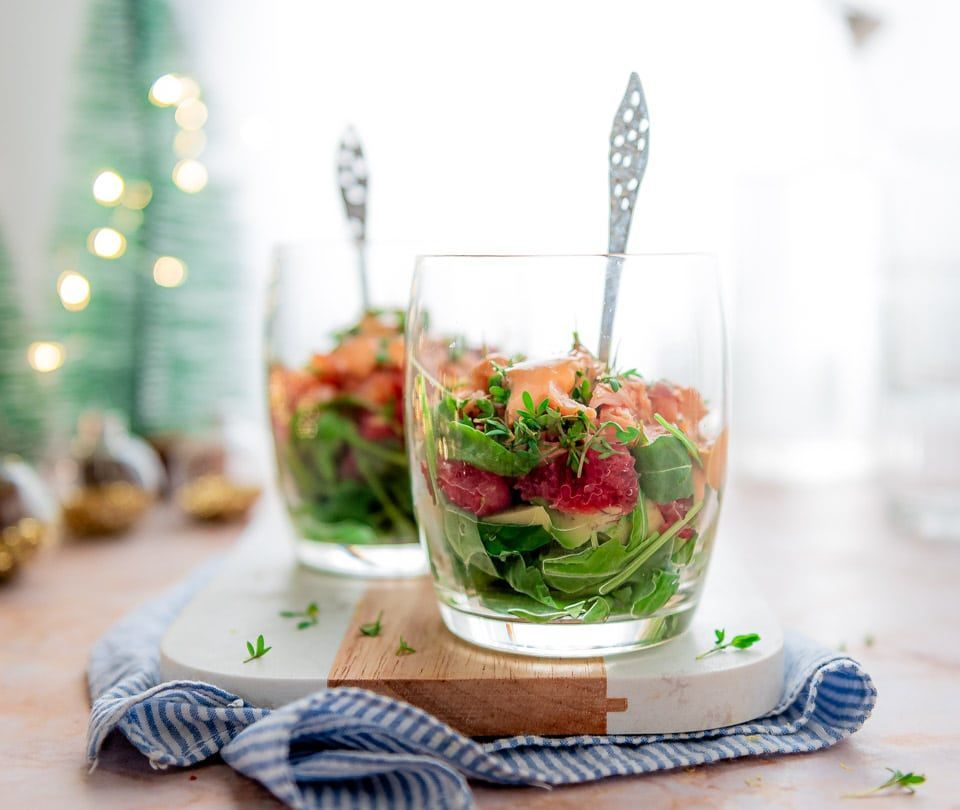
(353, 748)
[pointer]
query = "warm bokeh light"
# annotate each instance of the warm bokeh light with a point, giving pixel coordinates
(107, 243)
(166, 91)
(45, 355)
(191, 114)
(190, 176)
(189, 143)
(138, 194)
(169, 271)
(74, 290)
(108, 187)
(188, 88)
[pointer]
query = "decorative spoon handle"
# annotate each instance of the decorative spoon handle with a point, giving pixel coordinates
(352, 177)
(629, 148)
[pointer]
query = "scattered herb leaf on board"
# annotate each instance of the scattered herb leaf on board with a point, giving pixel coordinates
(257, 651)
(404, 648)
(308, 616)
(897, 781)
(372, 628)
(740, 642)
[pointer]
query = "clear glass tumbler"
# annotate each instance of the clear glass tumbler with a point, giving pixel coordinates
(336, 407)
(568, 505)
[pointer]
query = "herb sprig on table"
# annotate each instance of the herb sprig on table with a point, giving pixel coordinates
(404, 648)
(257, 651)
(737, 642)
(372, 628)
(309, 616)
(897, 781)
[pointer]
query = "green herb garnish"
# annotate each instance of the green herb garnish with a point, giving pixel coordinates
(308, 615)
(896, 781)
(404, 648)
(737, 642)
(372, 628)
(259, 651)
(616, 380)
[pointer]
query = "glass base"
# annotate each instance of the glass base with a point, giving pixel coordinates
(387, 561)
(566, 639)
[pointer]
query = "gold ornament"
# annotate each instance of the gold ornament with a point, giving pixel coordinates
(216, 497)
(105, 509)
(18, 544)
(27, 515)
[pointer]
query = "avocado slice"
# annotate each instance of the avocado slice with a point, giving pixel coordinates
(573, 530)
(522, 516)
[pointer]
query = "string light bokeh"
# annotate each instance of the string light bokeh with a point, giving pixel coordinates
(108, 188)
(129, 198)
(168, 271)
(45, 356)
(74, 290)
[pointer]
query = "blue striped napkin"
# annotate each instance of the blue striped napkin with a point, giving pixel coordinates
(349, 747)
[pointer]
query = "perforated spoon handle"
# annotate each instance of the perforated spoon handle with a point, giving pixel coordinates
(352, 178)
(629, 148)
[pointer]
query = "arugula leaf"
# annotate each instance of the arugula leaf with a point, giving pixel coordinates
(528, 580)
(344, 531)
(523, 607)
(463, 537)
(429, 437)
(663, 585)
(391, 510)
(465, 443)
(572, 573)
(666, 471)
(638, 522)
(683, 548)
(647, 549)
(599, 610)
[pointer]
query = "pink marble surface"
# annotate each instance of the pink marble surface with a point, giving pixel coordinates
(833, 566)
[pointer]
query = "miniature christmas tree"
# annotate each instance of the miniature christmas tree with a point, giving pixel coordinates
(148, 280)
(21, 423)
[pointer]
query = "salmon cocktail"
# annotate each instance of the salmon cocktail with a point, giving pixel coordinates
(335, 387)
(338, 427)
(568, 504)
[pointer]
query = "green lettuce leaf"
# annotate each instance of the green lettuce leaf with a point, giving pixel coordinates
(666, 471)
(465, 443)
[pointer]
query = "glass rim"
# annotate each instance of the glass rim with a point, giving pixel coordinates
(347, 240)
(665, 255)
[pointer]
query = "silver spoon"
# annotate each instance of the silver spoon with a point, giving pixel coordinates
(629, 148)
(352, 178)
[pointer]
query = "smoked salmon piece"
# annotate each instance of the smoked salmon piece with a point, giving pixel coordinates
(629, 406)
(552, 380)
(664, 400)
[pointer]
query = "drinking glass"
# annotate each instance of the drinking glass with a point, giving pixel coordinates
(568, 505)
(336, 407)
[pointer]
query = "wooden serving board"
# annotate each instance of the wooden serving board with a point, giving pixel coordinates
(478, 692)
